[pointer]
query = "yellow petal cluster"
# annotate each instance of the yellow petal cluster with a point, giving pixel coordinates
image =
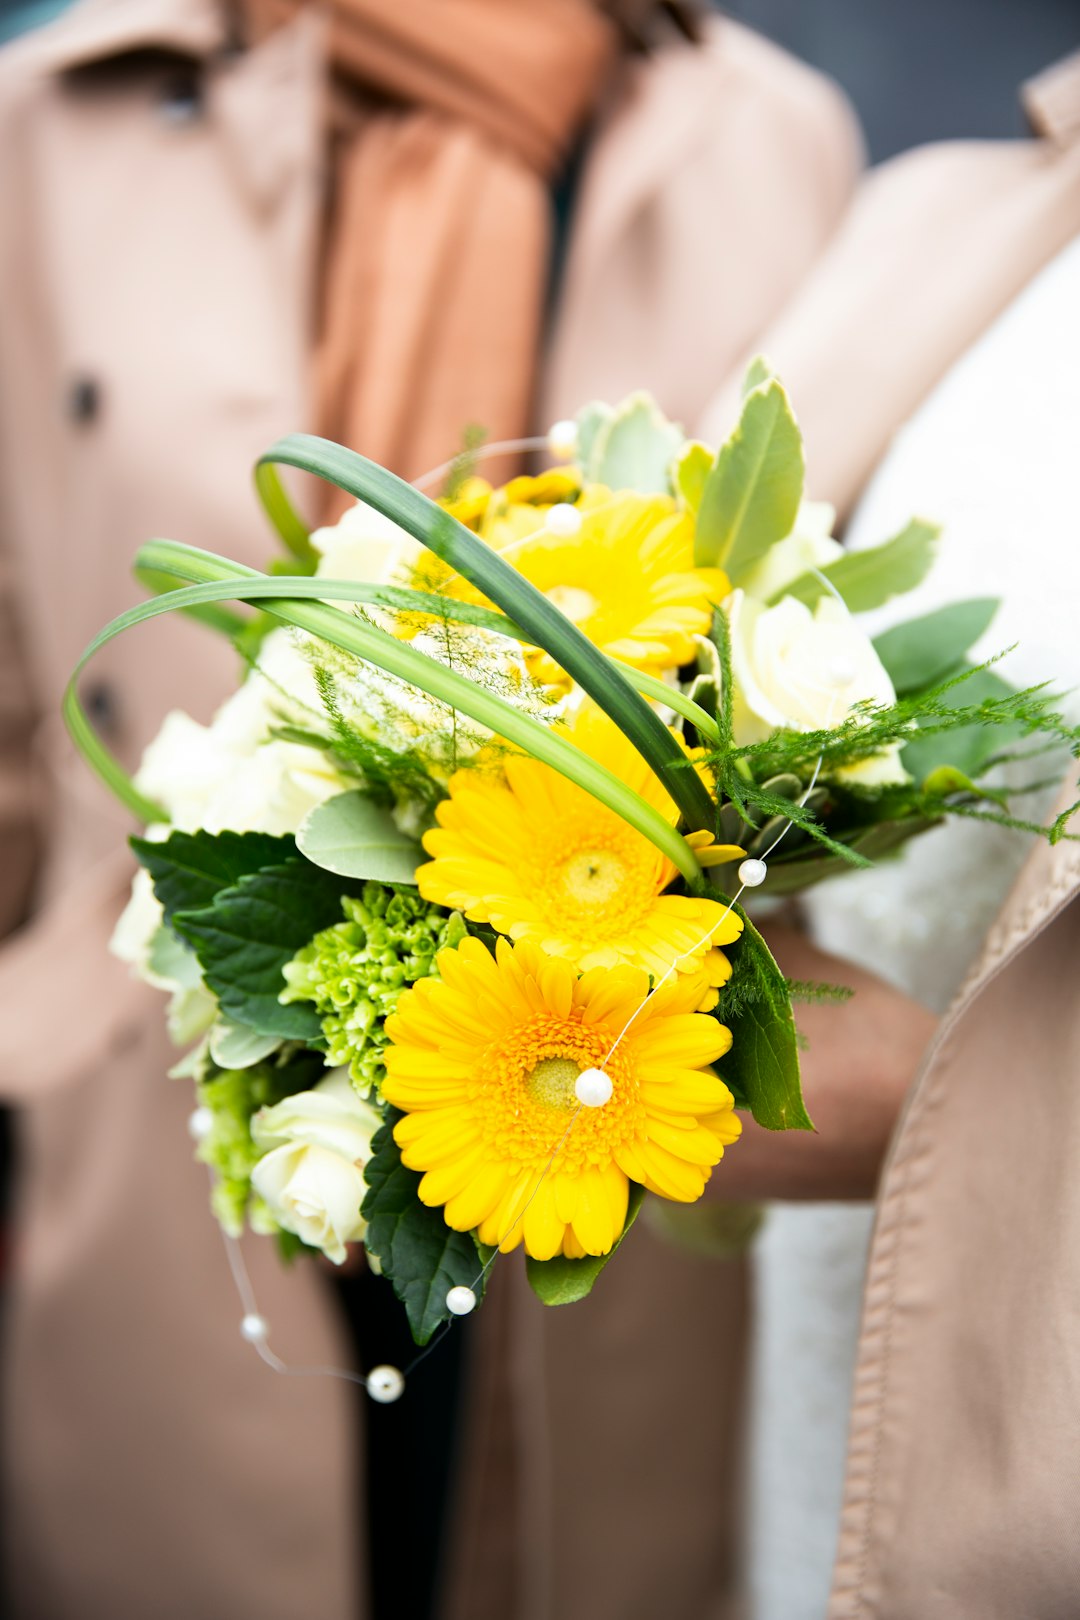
(483, 1061)
(541, 860)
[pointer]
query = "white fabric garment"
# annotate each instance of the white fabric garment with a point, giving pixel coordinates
(992, 455)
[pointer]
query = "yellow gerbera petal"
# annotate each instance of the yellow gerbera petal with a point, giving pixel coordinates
(504, 1145)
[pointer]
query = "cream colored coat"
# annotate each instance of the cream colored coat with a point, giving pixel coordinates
(964, 1453)
(156, 255)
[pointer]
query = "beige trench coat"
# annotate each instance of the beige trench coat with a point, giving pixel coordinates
(158, 223)
(963, 1467)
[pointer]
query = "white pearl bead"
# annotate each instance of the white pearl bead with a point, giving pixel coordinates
(254, 1328)
(752, 872)
(385, 1384)
(841, 673)
(562, 440)
(593, 1088)
(460, 1301)
(200, 1123)
(563, 520)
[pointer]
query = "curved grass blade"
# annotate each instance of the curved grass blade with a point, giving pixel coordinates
(468, 556)
(365, 641)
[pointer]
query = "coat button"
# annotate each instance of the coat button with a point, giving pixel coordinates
(102, 707)
(84, 400)
(180, 98)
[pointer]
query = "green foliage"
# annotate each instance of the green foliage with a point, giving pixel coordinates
(354, 971)
(354, 837)
(866, 579)
(387, 773)
(928, 649)
(233, 1096)
(189, 869)
(464, 466)
(633, 447)
(248, 933)
(967, 748)
(762, 1067)
(751, 496)
(422, 1256)
(563, 1282)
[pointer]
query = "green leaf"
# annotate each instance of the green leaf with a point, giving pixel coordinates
(237, 1046)
(189, 869)
(866, 579)
(763, 1063)
(634, 447)
(757, 372)
(356, 838)
(752, 495)
(590, 419)
(244, 938)
(923, 651)
(563, 1282)
(690, 471)
(968, 748)
(422, 1256)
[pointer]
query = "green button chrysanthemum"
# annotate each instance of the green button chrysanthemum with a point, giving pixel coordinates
(355, 971)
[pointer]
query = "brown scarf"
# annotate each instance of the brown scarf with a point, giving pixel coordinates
(452, 116)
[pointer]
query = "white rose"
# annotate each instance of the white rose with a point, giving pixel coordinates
(805, 670)
(155, 955)
(232, 773)
(365, 545)
(312, 1179)
(809, 545)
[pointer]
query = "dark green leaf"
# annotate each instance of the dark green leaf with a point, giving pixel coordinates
(564, 1282)
(422, 1256)
(244, 938)
(763, 1064)
(924, 650)
(751, 497)
(866, 579)
(189, 869)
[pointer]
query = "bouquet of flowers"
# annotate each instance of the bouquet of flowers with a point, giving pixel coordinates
(447, 898)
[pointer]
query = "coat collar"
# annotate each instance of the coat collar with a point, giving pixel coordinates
(95, 30)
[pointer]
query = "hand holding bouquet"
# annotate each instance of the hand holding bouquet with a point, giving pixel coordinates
(447, 897)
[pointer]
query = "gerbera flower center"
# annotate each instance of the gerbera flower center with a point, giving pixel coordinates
(593, 877)
(551, 1081)
(578, 605)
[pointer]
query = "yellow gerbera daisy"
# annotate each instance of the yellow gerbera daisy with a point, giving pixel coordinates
(626, 579)
(483, 1060)
(542, 860)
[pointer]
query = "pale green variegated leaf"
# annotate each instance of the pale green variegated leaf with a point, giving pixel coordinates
(867, 579)
(354, 837)
(752, 495)
(590, 419)
(923, 651)
(690, 471)
(564, 1282)
(238, 1046)
(757, 372)
(634, 448)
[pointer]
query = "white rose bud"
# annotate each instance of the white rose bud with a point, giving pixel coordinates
(365, 545)
(805, 670)
(312, 1178)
